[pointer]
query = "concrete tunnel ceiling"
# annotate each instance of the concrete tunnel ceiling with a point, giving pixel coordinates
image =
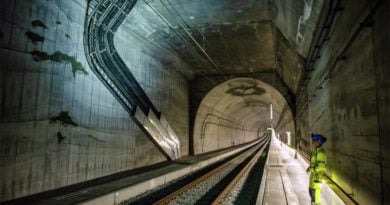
(240, 106)
(73, 72)
(239, 36)
(242, 38)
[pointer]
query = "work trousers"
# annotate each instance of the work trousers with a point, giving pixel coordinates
(315, 194)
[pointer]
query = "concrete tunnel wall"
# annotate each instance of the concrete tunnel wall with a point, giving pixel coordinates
(44, 74)
(238, 111)
(39, 83)
(352, 106)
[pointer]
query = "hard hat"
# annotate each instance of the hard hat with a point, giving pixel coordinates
(318, 138)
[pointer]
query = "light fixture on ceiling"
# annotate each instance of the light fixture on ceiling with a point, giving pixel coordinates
(192, 17)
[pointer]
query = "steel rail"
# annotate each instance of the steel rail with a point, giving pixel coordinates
(169, 198)
(228, 189)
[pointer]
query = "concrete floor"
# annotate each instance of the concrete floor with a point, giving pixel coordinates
(286, 180)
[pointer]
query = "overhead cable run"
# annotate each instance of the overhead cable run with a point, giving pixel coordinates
(176, 13)
(182, 19)
(333, 9)
(183, 55)
(211, 61)
(102, 23)
(367, 22)
(168, 52)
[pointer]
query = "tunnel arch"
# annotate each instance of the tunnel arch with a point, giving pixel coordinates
(238, 111)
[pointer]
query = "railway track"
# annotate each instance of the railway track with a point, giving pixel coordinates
(235, 180)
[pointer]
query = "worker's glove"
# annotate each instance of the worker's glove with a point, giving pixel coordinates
(309, 169)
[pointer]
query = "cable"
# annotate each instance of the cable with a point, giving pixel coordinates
(216, 67)
(180, 36)
(204, 38)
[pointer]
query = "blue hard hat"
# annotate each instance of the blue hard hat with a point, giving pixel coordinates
(318, 138)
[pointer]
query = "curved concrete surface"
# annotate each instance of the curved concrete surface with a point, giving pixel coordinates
(61, 126)
(237, 111)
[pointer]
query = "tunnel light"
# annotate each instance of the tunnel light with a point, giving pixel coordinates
(272, 132)
(271, 114)
(288, 137)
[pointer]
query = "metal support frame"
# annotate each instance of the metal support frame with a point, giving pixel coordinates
(102, 22)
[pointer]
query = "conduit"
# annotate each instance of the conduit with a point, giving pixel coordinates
(104, 60)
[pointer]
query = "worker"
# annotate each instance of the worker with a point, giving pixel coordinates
(317, 169)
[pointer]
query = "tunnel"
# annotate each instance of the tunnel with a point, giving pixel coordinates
(239, 111)
(105, 100)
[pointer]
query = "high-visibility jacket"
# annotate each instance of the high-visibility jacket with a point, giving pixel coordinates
(318, 164)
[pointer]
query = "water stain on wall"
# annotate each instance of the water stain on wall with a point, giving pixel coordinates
(244, 88)
(34, 37)
(38, 23)
(39, 55)
(64, 118)
(60, 137)
(59, 57)
(245, 91)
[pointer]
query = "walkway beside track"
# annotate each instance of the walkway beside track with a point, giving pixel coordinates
(285, 181)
